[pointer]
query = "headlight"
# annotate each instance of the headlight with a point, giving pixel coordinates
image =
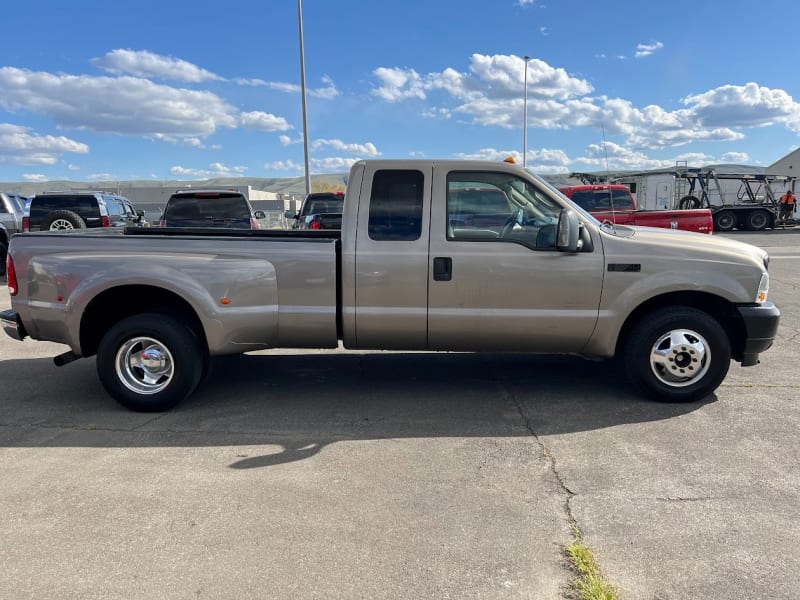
(763, 289)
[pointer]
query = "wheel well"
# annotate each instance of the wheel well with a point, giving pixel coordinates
(720, 309)
(118, 303)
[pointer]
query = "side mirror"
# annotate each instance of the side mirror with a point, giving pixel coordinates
(290, 214)
(139, 213)
(260, 214)
(569, 229)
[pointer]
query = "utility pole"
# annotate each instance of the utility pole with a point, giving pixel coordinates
(526, 58)
(303, 94)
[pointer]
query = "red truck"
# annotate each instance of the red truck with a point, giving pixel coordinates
(615, 203)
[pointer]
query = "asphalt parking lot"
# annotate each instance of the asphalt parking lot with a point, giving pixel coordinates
(393, 475)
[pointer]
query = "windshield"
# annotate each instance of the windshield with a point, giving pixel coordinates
(572, 205)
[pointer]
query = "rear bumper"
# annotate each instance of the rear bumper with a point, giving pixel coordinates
(761, 327)
(11, 324)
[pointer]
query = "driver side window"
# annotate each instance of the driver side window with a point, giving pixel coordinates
(490, 206)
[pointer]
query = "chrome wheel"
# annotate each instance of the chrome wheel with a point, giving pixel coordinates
(680, 357)
(59, 224)
(144, 365)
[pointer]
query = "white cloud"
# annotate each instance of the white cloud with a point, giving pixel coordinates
(540, 161)
(398, 84)
(740, 158)
(101, 177)
(327, 92)
(141, 63)
(284, 165)
(215, 169)
(124, 105)
(615, 157)
(492, 95)
(746, 105)
(332, 164)
(34, 177)
(18, 145)
(262, 121)
(367, 149)
(643, 50)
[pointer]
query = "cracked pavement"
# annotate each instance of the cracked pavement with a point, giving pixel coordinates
(401, 475)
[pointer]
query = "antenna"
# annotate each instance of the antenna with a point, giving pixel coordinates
(608, 173)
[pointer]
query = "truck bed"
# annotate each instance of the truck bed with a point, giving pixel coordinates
(251, 289)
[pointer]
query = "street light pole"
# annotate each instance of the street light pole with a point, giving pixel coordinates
(526, 58)
(303, 94)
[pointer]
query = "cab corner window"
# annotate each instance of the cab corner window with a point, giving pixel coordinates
(395, 210)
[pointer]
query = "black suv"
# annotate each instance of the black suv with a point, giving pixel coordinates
(210, 208)
(52, 211)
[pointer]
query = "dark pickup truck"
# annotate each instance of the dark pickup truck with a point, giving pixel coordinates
(320, 210)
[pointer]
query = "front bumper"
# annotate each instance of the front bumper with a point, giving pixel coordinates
(9, 320)
(761, 327)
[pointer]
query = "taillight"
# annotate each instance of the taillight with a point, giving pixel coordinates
(11, 275)
(105, 221)
(315, 225)
(26, 223)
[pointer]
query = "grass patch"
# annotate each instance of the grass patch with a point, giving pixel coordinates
(590, 584)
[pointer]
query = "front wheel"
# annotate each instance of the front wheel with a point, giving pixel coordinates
(150, 362)
(679, 354)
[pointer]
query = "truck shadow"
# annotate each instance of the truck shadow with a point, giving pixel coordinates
(297, 404)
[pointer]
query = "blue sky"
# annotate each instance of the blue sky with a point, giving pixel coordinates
(93, 91)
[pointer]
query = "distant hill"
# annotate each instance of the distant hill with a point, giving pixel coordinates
(286, 185)
(294, 186)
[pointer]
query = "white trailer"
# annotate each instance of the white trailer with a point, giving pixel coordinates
(737, 200)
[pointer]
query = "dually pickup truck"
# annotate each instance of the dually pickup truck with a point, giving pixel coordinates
(154, 304)
(615, 203)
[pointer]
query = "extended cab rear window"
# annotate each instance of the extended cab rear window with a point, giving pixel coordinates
(395, 208)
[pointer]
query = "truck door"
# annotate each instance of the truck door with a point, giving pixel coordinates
(496, 281)
(391, 259)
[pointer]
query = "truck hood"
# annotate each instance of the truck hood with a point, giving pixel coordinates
(690, 245)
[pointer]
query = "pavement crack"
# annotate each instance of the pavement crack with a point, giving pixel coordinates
(551, 460)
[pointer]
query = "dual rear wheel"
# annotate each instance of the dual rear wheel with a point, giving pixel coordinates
(151, 362)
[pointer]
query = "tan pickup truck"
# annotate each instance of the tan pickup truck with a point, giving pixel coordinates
(414, 267)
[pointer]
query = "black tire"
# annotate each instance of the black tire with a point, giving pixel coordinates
(62, 220)
(758, 220)
(689, 202)
(725, 220)
(177, 361)
(677, 354)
